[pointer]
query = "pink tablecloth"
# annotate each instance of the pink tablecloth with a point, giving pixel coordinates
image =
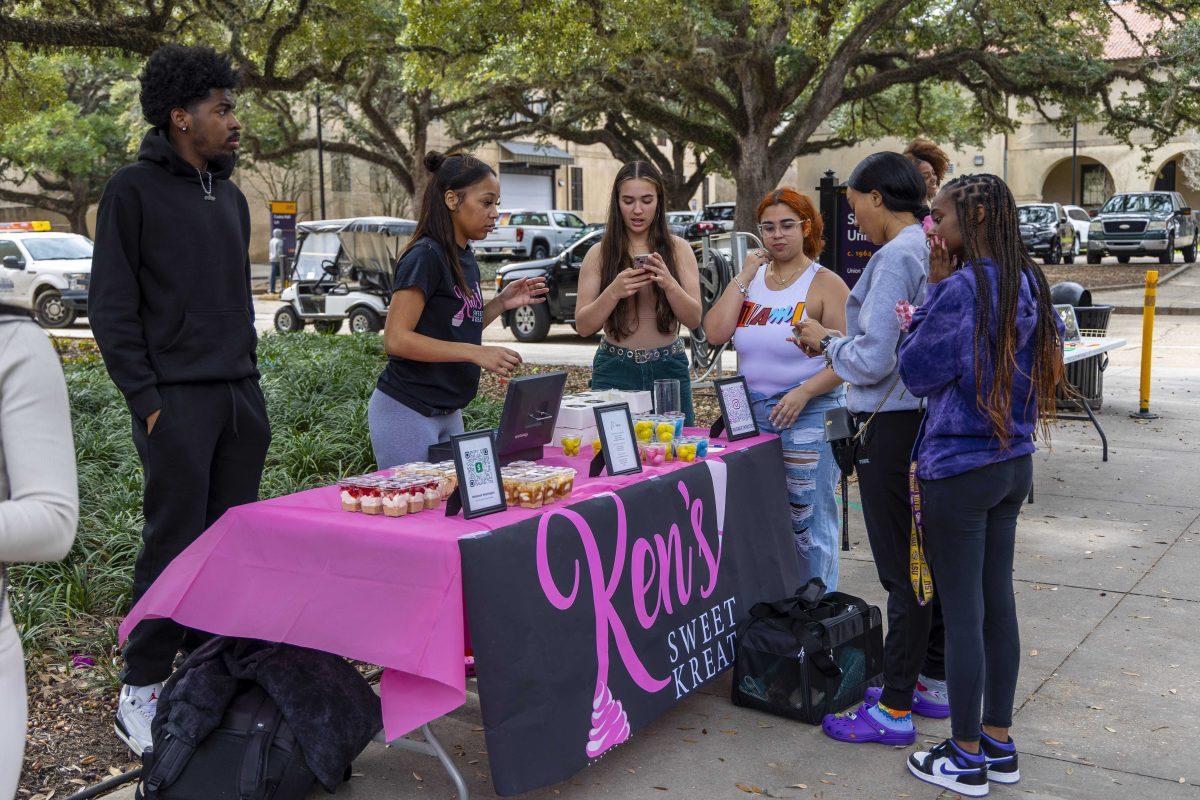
(386, 591)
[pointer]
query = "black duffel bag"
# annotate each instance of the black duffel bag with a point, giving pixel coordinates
(808, 655)
(252, 755)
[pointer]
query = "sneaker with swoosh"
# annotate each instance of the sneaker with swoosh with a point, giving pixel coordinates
(951, 767)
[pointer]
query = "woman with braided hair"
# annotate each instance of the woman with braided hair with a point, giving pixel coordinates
(985, 351)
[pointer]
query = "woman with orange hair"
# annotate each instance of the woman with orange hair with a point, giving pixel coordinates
(778, 287)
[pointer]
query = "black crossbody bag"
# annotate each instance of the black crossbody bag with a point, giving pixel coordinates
(844, 434)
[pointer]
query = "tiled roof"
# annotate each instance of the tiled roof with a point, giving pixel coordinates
(1130, 30)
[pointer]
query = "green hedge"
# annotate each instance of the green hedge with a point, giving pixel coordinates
(317, 389)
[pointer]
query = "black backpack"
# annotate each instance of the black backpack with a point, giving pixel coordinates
(251, 755)
(808, 655)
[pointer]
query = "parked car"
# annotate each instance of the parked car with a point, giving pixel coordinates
(45, 271)
(1080, 220)
(343, 271)
(532, 323)
(1047, 232)
(530, 234)
(586, 229)
(678, 221)
(1143, 224)
(716, 218)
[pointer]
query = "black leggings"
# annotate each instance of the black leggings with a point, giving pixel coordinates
(915, 638)
(970, 531)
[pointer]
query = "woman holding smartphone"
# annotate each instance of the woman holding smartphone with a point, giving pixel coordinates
(639, 286)
(435, 322)
(888, 196)
(791, 391)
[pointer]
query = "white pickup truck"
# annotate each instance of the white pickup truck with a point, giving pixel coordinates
(530, 234)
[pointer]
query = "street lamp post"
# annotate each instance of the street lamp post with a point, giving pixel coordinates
(1074, 160)
(320, 157)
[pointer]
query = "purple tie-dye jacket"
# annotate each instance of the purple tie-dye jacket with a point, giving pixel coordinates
(937, 362)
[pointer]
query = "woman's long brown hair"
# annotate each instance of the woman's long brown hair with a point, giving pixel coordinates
(1000, 233)
(614, 252)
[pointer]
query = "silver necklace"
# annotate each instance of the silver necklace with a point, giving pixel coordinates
(208, 195)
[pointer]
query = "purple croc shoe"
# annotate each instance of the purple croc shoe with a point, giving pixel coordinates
(858, 727)
(924, 703)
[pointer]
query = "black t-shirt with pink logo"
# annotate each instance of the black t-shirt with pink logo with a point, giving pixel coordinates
(449, 315)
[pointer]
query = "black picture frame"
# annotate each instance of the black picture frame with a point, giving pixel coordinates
(461, 499)
(724, 423)
(606, 446)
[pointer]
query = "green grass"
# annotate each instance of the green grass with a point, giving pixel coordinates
(317, 389)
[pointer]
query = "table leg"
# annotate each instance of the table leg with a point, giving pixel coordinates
(1096, 424)
(430, 747)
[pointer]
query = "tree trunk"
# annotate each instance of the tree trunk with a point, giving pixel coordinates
(755, 176)
(78, 217)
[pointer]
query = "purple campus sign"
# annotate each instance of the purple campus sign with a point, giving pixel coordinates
(853, 249)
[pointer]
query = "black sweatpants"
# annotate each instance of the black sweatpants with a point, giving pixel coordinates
(970, 532)
(205, 455)
(915, 638)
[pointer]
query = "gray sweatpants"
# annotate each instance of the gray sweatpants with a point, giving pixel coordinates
(400, 435)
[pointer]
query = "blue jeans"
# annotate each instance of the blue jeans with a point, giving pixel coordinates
(812, 477)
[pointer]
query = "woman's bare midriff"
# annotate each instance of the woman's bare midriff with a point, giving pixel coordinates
(645, 334)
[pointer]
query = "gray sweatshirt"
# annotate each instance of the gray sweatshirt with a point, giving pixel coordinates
(866, 357)
(39, 497)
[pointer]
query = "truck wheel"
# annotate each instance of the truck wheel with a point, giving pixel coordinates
(1069, 257)
(288, 321)
(365, 320)
(1123, 259)
(51, 311)
(530, 323)
(1168, 255)
(540, 250)
(327, 326)
(1189, 253)
(1054, 256)
(1094, 257)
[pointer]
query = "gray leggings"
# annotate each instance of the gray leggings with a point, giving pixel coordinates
(970, 532)
(400, 435)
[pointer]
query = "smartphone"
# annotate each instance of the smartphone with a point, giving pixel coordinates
(639, 262)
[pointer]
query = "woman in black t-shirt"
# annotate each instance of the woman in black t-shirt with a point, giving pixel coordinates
(436, 318)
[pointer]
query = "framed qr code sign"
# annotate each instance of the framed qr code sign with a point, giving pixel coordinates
(478, 466)
(736, 412)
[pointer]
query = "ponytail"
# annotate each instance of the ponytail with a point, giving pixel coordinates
(454, 173)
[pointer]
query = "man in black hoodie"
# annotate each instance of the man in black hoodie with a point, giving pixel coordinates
(172, 312)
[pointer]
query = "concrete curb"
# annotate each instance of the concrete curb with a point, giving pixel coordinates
(1162, 309)
(1123, 286)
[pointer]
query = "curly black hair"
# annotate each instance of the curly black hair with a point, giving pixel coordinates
(176, 76)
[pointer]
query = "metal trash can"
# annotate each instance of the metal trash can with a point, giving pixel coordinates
(1087, 376)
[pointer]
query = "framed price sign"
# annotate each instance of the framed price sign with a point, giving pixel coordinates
(737, 416)
(480, 489)
(618, 445)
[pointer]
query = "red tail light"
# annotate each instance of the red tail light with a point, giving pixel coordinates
(520, 234)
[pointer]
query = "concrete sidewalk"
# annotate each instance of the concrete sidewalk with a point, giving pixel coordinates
(1108, 703)
(1180, 295)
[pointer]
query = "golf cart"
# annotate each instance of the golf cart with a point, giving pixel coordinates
(343, 270)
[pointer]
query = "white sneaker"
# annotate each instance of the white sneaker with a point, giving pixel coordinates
(135, 711)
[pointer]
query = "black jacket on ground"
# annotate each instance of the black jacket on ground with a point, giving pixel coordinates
(170, 296)
(331, 709)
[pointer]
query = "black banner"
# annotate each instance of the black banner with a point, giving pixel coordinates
(591, 620)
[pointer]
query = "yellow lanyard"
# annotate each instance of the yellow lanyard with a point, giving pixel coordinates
(918, 567)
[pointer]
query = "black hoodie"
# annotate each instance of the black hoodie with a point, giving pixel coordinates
(170, 296)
